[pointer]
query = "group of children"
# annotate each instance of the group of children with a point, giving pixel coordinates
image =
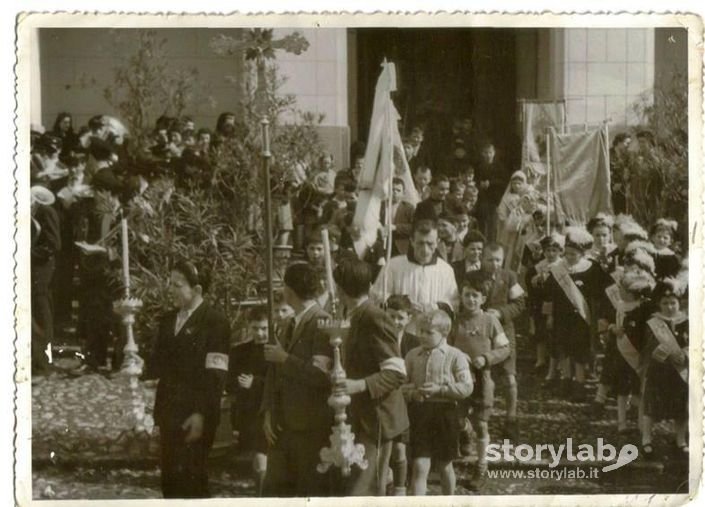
(609, 292)
(610, 300)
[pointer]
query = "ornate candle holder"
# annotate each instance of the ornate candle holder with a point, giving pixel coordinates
(132, 364)
(343, 451)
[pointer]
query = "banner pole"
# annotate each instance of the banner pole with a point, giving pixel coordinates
(389, 189)
(548, 181)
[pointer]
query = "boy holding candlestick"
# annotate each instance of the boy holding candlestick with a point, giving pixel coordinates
(375, 373)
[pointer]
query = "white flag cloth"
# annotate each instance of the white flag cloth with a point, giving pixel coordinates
(580, 175)
(384, 159)
(537, 117)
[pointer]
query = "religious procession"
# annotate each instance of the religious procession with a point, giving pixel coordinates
(249, 303)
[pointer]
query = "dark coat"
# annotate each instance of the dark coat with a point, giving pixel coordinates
(372, 340)
(402, 221)
(46, 240)
(499, 299)
(191, 366)
(296, 391)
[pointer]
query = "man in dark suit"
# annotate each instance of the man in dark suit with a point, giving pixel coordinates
(402, 218)
(190, 359)
(375, 372)
(436, 204)
(297, 419)
(45, 244)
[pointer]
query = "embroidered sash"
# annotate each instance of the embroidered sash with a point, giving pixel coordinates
(667, 344)
(629, 352)
(571, 291)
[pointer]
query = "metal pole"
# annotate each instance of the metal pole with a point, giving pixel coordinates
(269, 266)
(549, 196)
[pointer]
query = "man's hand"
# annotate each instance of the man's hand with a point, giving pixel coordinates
(485, 184)
(549, 322)
(429, 389)
(193, 427)
(350, 386)
(275, 353)
(245, 381)
(479, 362)
(268, 428)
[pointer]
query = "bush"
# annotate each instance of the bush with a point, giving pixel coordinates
(659, 175)
(216, 225)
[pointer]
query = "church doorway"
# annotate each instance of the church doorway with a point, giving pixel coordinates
(444, 76)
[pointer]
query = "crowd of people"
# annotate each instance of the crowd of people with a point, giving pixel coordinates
(481, 262)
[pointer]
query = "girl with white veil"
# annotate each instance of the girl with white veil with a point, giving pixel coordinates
(513, 215)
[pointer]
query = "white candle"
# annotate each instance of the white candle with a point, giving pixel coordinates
(328, 262)
(125, 256)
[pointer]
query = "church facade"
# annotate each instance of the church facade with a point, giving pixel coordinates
(444, 74)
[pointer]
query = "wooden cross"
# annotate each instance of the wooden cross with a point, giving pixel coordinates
(258, 45)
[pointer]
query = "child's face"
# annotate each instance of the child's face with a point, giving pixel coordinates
(314, 252)
(459, 191)
(552, 253)
(340, 192)
(473, 252)
(540, 225)
(472, 299)
(573, 255)
(397, 193)
(204, 139)
(601, 236)
(259, 331)
(669, 305)
(518, 186)
(463, 222)
(470, 199)
(326, 162)
(492, 261)
(661, 239)
(446, 230)
(441, 190)
(488, 154)
(283, 311)
(399, 317)
(423, 178)
(408, 150)
(428, 336)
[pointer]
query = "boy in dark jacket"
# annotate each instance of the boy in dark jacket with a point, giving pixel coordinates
(248, 370)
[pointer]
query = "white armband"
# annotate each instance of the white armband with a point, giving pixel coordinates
(217, 361)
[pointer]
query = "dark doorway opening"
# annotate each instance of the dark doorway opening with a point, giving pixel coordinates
(444, 75)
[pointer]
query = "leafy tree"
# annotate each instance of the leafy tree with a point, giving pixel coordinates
(215, 224)
(658, 171)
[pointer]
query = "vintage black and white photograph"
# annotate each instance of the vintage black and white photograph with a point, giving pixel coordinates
(358, 259)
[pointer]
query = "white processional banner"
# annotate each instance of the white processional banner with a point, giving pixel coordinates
(384, 159)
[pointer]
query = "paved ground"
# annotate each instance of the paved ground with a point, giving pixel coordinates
(81, 448)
